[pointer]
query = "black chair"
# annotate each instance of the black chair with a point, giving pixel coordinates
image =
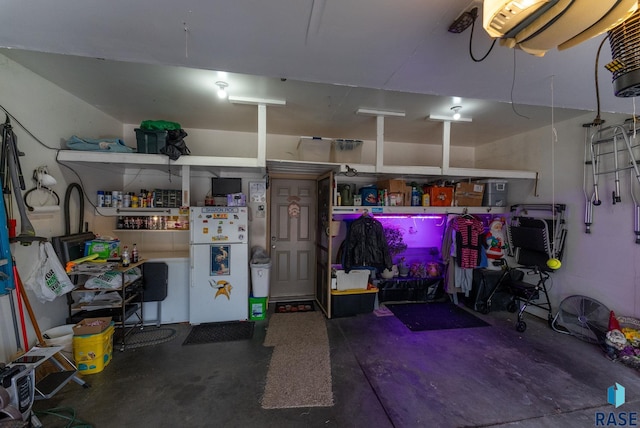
(155, 280)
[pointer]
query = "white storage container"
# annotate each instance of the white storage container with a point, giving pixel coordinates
(495, 193)
(260, 279)
(61, 336)
(346, 151)
(314, 149)
(355, 279)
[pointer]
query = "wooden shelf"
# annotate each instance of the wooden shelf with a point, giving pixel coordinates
(337, 210)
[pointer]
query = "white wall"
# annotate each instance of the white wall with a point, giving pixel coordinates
(603, 265)
(51, 115)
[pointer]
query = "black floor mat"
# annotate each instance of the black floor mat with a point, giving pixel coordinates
(219, 332)
(434, 316)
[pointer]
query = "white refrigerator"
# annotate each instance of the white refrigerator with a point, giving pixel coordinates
(219, 268)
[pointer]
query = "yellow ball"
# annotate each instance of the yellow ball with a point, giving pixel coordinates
(554, 264)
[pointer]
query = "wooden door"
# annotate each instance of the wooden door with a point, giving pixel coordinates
(323, 244)
(293, 239)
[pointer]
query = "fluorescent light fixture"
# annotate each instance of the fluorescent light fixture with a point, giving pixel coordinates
(222, 89)
(372, 112)
(257, 101)
(441, 118)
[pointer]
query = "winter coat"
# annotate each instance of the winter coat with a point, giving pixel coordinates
(366, 245)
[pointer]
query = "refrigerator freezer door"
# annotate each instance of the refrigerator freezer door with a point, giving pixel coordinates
(211, 225)
(219, 283)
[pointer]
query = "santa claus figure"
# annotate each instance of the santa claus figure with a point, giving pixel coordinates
(495, 245)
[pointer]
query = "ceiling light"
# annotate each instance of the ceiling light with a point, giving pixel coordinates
(456, 112)
(222, 89)
(455, 117)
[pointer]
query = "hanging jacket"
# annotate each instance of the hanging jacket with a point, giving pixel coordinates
(366, 245)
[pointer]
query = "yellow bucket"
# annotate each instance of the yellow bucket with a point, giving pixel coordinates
(92, 352)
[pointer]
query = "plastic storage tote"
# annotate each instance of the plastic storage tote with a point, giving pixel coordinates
(495, 193)
(150, 141)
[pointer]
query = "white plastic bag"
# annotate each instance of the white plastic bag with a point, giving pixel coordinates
(112, 280)
(48, 279)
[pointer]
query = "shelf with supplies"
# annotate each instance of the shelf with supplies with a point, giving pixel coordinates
(337, 210)
(114, 212)
(121, 301)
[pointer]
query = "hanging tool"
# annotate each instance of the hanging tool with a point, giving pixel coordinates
(588, 198)
(23, 325)
(11, 163)
(599, 139)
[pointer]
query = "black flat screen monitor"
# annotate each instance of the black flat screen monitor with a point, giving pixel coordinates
(225, 186)
(71, 247)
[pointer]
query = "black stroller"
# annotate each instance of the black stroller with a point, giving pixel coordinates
(536, 234)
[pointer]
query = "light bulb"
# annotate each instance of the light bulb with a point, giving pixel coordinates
(456, 112)
(222, 89)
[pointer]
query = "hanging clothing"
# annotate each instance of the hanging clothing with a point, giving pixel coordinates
(468, 241)
(366, 245)
(449, 260)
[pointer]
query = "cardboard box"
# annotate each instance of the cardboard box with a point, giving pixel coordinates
(91, 326)
(441, 196)
(104, 249)
(469, 194)
(397, 185)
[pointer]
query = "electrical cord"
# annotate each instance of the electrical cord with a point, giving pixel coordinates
(473, 25)
(598, 121)
(24, 128)
(70, 416)
(513, 85)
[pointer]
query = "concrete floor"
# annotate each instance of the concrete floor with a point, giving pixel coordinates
(384, 375)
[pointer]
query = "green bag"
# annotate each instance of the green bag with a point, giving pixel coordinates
(159, 125)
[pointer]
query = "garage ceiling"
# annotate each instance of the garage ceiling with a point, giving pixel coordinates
(160, 60)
